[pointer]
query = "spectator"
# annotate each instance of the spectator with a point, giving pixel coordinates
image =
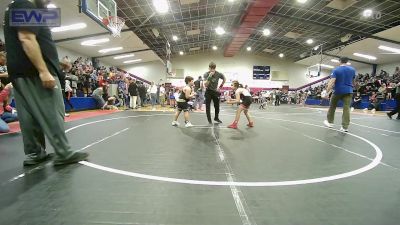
(142, 94)
(133, 93)
(162, 95)
(6, 111)
(3, 69)
(98, 96)
(153, 95)
(397, 109)
(356, 102)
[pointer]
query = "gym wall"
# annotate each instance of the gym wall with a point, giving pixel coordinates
(239, 67)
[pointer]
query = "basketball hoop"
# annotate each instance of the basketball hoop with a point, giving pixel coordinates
(115, 24)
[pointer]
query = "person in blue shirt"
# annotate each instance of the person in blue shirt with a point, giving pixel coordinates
(342, 83)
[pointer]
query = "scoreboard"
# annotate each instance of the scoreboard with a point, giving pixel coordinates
(261, 72)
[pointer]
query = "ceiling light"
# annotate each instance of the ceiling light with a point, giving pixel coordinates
(93, 42)
(367, 13)
(310, 41)
(175, 38)
(370, 57)
(214, 47)
(302, 1)
(281, 55)
(124, 56)
(132, 61)
(326, 66)
(110, 49)
(180, 53)
(161, 6)
(248, 48)
(335, 60)
(266, 32)
(51, 6)
(75, 26)
(220, 30)
(390, 49)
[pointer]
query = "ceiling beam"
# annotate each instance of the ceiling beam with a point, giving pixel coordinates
(122, 53)
(354, 60)
(190, 42)
(87, 36)
(156, 25)
(339, 28)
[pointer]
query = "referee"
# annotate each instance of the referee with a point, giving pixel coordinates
(212, 78)
(34, 70)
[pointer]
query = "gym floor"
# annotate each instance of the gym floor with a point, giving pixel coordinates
(287, 170)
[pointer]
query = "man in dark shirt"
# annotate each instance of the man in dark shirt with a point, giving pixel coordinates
(34, 70)
(198, 89)
(142, 94)
(212, 78)
(342, 80)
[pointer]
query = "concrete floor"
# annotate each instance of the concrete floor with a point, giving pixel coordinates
(287, 170)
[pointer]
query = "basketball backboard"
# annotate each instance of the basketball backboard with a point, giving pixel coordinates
(99, 9)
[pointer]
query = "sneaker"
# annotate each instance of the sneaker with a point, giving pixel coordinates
(217, 120)
(209, 122)
(33, 159)
(67, 115)
(251, 124)
(233, 126)
(352, 109)
(327, 124)
(390, 116)
(74, 158)
(373, 111)
(365, 110)
(175, 123)
(343, 130)
(188, 124)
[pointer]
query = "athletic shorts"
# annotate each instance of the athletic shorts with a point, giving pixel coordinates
(246, 102)
(183, 106)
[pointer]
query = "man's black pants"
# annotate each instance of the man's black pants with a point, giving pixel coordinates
(214, 96)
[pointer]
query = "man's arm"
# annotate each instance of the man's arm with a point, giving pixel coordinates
(223, 81)
(331, 83)
(32, 50)
(206, 82)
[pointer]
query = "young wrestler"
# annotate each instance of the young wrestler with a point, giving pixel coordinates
(182, 102)
(244, 95)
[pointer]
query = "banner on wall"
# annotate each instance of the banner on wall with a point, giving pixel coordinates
(261, 72)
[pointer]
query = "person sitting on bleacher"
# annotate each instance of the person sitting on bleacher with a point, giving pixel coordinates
(373, 103)
(6, 112)
(356, 102)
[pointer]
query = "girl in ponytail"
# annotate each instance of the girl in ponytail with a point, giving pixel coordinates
(243, 96)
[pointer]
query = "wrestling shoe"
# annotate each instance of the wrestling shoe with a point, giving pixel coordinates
(233, 126)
